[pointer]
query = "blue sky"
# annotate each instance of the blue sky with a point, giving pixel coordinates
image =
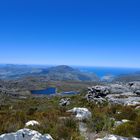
(71, 32)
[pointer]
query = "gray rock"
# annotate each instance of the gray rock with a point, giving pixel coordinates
(97, 94)
(81, 113)
(64, 102)
(99, 90)
(118, 123)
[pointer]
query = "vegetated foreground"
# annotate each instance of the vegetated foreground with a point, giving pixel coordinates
(54, 118)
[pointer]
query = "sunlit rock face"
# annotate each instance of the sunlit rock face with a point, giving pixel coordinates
(25, 134)
(80, 113)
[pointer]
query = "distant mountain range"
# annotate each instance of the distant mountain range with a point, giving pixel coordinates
(60, 73)
(66, 73)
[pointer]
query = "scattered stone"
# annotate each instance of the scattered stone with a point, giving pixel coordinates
(81, 113)
(118, 123)
(64, 102)
(114, 137)
(118, 112)
(137, 108)
(125, 121)
(32, 123)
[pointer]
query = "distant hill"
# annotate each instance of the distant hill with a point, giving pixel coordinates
(64, 72)
(58, 73)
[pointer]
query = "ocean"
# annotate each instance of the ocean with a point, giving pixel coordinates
(104, 71)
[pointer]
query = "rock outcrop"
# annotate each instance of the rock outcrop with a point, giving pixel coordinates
(120, 93)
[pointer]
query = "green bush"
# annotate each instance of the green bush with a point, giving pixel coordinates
(126, 130)
(126, 112)
(129, 129)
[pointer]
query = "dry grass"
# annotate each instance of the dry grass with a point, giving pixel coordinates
(14, 115)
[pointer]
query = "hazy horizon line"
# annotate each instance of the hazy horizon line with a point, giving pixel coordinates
(70, 65)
